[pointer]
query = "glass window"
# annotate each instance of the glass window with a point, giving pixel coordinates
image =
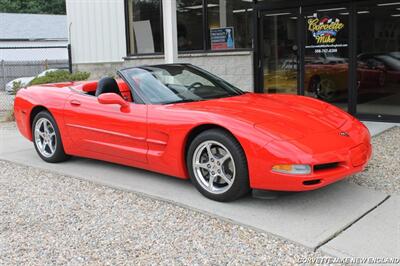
(145, 27)
(232, 13)
(378, 59)
(190, 25)
(327, 54)
(280, 52)
(166, 84)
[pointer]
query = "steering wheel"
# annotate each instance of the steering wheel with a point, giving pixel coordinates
(194, 85)
(171, 88)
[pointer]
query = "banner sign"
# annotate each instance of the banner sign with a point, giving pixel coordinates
(222, 38)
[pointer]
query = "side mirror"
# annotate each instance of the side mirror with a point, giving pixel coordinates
(113, 98)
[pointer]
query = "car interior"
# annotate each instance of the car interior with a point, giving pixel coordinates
(108, 85)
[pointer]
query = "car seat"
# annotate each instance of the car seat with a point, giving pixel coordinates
(107, 85)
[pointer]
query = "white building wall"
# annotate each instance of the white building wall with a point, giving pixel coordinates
(96, 30)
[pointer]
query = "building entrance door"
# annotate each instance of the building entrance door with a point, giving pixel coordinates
(326, 53)
(279, 51)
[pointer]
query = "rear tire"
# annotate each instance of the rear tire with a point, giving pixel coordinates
(217, 166)
(314, 86)
(47, 139)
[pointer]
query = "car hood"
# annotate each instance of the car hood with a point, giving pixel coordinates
(282, 117)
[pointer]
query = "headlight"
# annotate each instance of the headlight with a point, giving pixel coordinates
(294, 169)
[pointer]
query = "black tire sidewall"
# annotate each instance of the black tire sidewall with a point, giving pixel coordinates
(314, 83)
(240, 185)
(59, 155)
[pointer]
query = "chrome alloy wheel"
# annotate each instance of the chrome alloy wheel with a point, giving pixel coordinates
(326, 90)
(45, 137)
(213, 167)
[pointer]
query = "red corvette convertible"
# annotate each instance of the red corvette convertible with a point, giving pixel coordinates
(182, 121)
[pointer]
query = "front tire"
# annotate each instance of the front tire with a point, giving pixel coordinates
(47, 139)
(217, 166)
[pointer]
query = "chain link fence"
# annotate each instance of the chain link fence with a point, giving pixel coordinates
(22, 64)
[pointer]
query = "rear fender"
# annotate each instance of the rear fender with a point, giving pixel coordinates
(33, 99)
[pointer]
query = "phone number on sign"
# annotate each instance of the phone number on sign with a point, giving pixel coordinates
(323, 51)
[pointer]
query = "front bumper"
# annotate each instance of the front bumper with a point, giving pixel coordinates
(344, 157)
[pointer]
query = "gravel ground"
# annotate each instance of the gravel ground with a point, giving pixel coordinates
(383, 172)
(49, 219)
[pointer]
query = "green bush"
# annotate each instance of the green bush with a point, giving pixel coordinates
(16, 86)
(60, 76)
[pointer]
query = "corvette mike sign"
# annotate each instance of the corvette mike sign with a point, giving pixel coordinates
(324, 34)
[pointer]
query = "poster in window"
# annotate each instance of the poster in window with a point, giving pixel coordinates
(222, 38)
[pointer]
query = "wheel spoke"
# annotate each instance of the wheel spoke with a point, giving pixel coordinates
(42, 147)
(46, 127)
(211, 182)
(224, 158)
(209, 152)
(40, 133)
(224, 177)
(51, 148)
(201, 165)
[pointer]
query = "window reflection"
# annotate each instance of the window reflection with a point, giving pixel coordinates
(280, 53)
(190, 24)
(378, 68)
(145, 27)
(326, 55)
(232, 13)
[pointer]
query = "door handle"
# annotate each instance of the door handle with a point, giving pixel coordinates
(75, 103)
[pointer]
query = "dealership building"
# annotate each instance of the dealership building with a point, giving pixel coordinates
(344, 52)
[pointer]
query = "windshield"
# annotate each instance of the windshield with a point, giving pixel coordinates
(164, 84)
(390, 61)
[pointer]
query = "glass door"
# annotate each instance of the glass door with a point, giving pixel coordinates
(279, 51)
(378, 59)
(326, 54)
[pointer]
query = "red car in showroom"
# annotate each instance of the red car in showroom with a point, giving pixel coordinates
(180, 120)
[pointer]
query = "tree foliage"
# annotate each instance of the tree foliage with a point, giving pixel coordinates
(33, 6)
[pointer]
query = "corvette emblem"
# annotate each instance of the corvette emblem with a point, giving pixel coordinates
(344, 134)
